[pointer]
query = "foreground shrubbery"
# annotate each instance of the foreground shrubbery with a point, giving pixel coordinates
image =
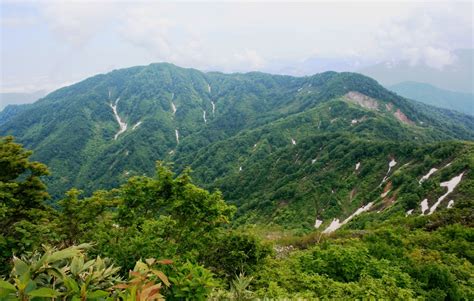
(163, 237)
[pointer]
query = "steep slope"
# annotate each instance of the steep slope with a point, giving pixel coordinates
(428, 94)
(105, 129)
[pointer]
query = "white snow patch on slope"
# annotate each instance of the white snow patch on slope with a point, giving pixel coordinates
(136, 125)
(409, 212)
(240, 168)
(177, 135)
(390, 165)
(335, 224)
(384, 194)
(204, 116)
(318, 223)
(122, 124)
(173, 107)
(313, 161)
(451, 184)
(425, 177)
(424, 206)
(357, 165)
(293, 141)
(450, 204)
(208, 88)
(213, 107)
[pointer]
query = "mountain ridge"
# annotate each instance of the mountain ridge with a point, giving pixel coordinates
(101, 131)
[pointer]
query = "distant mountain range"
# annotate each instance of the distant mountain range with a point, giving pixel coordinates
(286, 150)
(19, 98)
(429, 94)
(455, 77)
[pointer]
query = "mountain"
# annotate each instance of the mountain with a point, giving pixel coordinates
(7, 99)
(287, 150)
(426, 93)
(455, 77)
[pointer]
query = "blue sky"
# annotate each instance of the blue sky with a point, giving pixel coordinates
(48, 44)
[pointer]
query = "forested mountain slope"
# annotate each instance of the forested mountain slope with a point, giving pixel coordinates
(275, 145)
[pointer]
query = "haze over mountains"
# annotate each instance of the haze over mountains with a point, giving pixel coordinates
(457, 76)
(426, 93)
(240, 131)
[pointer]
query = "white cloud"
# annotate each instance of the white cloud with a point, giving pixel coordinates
(77, 22)
(425, 36)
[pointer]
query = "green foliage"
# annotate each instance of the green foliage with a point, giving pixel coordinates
(234, 253)
(191, 281)
(24, 217)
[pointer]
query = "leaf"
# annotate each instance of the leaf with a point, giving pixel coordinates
(150, 261)
(97, 294)
(63, 254)
(165, 261)
(71, 284)
(44, 292)
(162, 276)
(20, 267)
(7, 286)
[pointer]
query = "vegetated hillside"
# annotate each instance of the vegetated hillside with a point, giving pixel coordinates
(176, 238)
(101, 131)
(426, 93)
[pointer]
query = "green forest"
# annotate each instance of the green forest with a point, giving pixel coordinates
(161, 236)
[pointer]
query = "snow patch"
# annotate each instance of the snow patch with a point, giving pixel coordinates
(390, 165)
(450, 204)
(293, 141)
(424, 206)
(335, 224)
(425, 177)
(451, 184)
(354, 121)
(208, 88)
(173, 107)
(357, 165)
(136, 125)
(313, 161)
(213, 107)
(384, 194)
(122, 124)
(204, 116)
(409, 212)
(318, 223)
(240, 168)
(177, 135)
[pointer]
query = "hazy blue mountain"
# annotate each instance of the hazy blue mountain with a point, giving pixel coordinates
(456, 77)
(429, 94)
(19, 98)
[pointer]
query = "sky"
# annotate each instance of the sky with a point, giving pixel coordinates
(49, 44)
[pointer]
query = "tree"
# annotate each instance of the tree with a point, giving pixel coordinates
(24, 216)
